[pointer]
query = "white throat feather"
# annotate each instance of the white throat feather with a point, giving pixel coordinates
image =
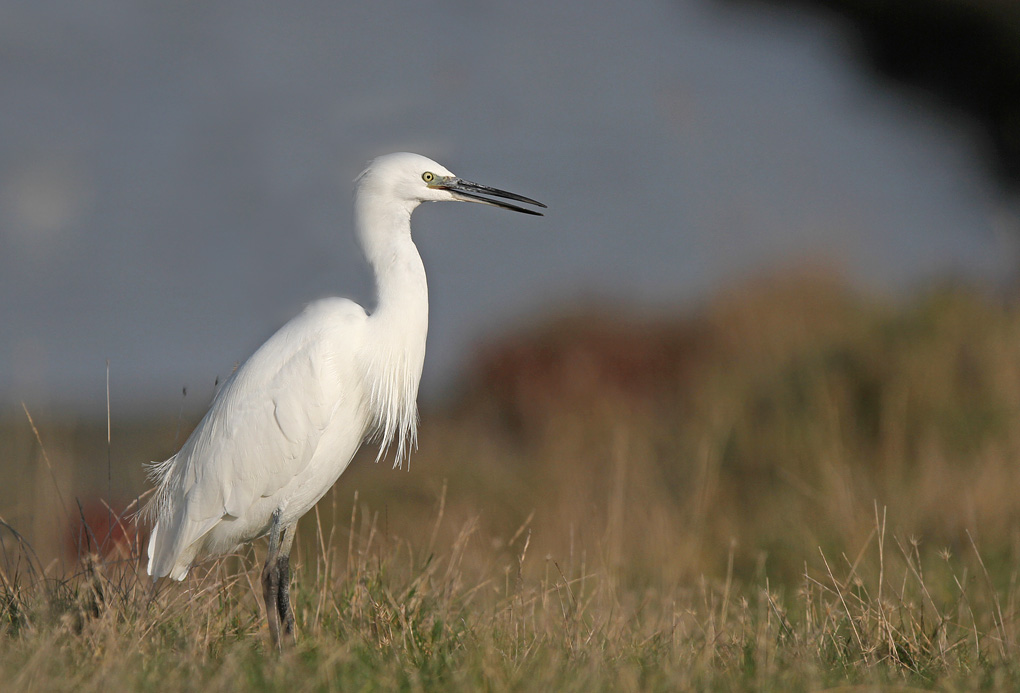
(393, 401)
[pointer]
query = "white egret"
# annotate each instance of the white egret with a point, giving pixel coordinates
(287, 422)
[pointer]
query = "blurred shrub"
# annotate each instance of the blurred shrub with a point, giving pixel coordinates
(778, 417)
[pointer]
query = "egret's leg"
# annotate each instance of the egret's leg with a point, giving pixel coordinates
(271, 580)
(283, 572)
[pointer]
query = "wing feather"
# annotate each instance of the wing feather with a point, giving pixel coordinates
(260, 432)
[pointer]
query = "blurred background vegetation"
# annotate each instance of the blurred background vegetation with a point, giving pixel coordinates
(771, 422)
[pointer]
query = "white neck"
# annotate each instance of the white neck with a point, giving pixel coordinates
(398, 326)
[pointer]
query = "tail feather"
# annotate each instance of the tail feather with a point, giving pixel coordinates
(165, 561)
(162, 558)
(161, 512)
(174, 544)
(168, 548)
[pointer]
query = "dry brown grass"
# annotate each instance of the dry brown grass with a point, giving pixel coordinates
(816, 490)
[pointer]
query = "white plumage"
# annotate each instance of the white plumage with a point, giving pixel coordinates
(286, 424)
(278, 434)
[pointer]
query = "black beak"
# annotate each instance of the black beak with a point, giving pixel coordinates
(472, 192)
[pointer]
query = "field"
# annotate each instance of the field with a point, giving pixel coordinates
(796, 487)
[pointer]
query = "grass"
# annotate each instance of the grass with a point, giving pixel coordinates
(800, 489)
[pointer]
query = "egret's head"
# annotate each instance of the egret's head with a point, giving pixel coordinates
(413, 178)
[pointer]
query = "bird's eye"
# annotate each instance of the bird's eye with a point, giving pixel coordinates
(428, 177)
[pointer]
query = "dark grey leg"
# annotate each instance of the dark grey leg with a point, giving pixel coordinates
(271, 582)
(276, 581)
(283, 603)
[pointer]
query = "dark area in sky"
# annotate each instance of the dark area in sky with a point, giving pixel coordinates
(966, 54)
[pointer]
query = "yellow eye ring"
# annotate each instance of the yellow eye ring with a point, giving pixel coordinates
(428, 177)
